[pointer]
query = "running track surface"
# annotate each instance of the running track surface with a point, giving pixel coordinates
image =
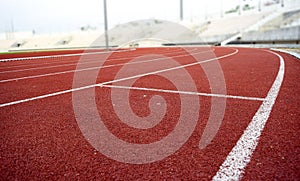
(41, 139)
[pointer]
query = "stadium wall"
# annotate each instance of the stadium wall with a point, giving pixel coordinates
(291, 34)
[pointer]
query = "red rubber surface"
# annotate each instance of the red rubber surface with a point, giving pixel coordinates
(40, 139)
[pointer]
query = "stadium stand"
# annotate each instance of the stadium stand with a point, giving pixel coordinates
(255, 27)
(232, 25)
(286, 19)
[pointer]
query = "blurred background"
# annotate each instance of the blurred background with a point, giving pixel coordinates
(35, 24)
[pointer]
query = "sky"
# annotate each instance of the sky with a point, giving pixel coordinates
(46, 16)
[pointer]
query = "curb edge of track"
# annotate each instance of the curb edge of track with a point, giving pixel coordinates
(294, 54)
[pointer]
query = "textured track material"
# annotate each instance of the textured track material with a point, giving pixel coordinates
(41, 139)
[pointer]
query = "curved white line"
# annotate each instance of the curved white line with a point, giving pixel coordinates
(60, 55)
(297, 55)
(75, 63)
(234, 166)
(112, 81)
(92, 68)
(60, 61)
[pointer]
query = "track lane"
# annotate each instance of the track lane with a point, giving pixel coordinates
(239, 157)
(25, 86)
(52, 60)
(261, 66)
(37, 72)
(277, 154)
(53, 147)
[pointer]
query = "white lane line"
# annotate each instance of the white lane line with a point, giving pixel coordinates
(185, 92)
(234, 165)
(59, 61)
(55, 66)
(93, 68)
(88, 62)
(113, 81)
(297, 55)
(61, 55)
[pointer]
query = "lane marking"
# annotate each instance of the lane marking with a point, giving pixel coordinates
(59, 61)
(93, 68)
(113, 81)
(185, 92)
(61, 55)
(234, 166)
(297, 55)
(88, 62)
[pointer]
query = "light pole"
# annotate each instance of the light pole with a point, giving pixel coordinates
(181, 10)
(105, 25)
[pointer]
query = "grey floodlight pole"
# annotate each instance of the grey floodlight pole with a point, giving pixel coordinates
(181, 10)
(105, 25)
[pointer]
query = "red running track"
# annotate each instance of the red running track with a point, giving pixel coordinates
(42, 136)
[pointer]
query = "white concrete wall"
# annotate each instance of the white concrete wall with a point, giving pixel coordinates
(284, 34)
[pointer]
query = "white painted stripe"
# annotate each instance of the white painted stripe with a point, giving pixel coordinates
(185, 92)
(297, 55)
(112, 81)
(75, 63)
(93, 68)
(166, 70)
(60, 61)
(62, 55)
(234, 165)
(45, 96)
